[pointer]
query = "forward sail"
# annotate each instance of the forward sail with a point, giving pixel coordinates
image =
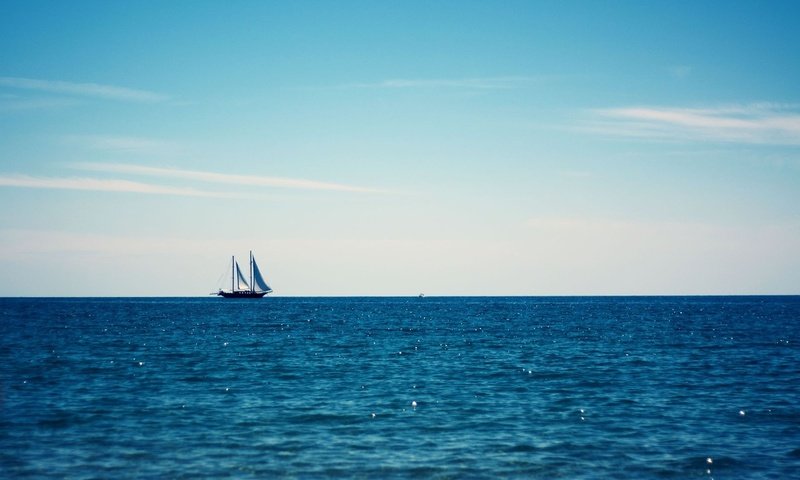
(241, 281)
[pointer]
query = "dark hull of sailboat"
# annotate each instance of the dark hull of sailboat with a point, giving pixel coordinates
(245, 294)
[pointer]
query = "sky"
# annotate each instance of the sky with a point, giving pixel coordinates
(398, 148)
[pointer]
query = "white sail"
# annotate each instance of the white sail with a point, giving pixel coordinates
(258, 280)
(241, 281)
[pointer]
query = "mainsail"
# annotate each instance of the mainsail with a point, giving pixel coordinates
(258, 280)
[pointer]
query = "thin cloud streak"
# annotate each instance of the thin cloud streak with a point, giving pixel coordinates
(225, 178)
(15, 242)
(12, 104)
(480, 83)
(120, 143)
(680, 71)
(102, 185)
(96, 90)
(760, 123)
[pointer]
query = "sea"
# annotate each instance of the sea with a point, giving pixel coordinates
(373, 388)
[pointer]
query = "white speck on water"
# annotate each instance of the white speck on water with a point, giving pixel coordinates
(709, 460)
(373, 415)
(741, 413)
(141, 363)
(225, 344)
(414, 404)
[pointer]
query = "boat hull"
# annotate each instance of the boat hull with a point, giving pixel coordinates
(245, 294)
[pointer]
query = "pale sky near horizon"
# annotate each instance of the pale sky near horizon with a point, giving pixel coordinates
(393, 148)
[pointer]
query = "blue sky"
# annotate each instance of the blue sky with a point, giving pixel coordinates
(392, 148)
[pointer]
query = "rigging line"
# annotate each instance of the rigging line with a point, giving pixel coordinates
(222, 275)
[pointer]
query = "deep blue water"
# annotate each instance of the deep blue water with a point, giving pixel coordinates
(672, 387)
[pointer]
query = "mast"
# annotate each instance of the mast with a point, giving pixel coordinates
(252, 284)
(233, 272)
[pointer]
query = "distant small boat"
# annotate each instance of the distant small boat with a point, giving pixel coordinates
(241, 287)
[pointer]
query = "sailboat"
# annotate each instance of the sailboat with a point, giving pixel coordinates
(256, 287)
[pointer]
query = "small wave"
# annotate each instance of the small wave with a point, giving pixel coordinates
(312, 419)
(522, 448)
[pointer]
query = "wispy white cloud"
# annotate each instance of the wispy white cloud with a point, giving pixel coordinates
(10, 103)
(224, 178)
(474, 83)
(102, 185)
(15, 242)
(121, 143)
(129, 186)
(576, 173)
(95, 90)
(679, 71)
(758, 123)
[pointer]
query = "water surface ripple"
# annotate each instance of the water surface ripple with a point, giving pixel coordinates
(574, 387)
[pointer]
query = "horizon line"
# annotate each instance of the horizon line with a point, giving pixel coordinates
(597, 295)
